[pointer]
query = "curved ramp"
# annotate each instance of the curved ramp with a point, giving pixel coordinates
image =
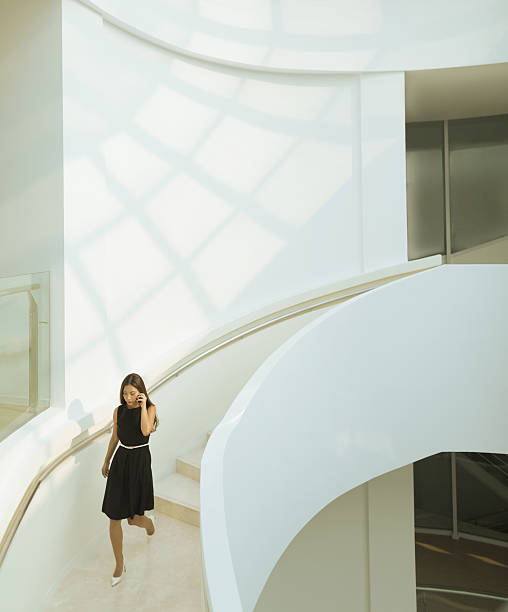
(413, 368)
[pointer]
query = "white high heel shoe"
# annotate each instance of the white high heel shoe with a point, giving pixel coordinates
(116, 580)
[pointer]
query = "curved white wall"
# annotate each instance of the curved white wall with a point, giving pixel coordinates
(196, 194)
(334, 35)
(407, 370)
(349, 554)
(189, 406)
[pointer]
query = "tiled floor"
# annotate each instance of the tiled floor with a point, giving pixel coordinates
(163, 573)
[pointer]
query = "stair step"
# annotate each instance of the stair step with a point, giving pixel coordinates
(178, 496)
(189, 464)
(179, 488)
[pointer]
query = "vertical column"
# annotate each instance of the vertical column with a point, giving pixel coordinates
(392, 542)
(383, 169)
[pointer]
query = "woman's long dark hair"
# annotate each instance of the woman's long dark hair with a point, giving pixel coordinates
(136, 381)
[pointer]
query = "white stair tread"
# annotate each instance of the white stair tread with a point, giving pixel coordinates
(179, 488)
(193, 456)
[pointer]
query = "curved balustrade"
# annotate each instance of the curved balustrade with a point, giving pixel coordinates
(402, 372)
(67, 474)
(302, 36)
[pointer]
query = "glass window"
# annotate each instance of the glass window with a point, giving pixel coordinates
(425, 189)
(478, 180)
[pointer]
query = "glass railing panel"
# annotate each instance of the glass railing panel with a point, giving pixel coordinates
(464, 552)
(24, 349)
(431, 601)
(433, 492)
(482, 494)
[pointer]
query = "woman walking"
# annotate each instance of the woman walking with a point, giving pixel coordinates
(129, 485)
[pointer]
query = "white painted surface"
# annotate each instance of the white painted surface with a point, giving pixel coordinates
(326, 35)
(391, 528)
(189, 406)
(356, 393)
(182, 207)
(382, 139)
(347, 555)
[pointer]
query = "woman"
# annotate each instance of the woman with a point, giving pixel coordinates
(129, 486)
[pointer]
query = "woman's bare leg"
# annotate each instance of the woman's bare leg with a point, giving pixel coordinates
(116, 535)
(142, 521)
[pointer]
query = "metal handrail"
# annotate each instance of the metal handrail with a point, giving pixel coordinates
(189, 360)
(459, 592)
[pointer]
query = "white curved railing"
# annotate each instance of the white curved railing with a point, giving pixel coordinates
(57, 475)
(413, 368)
(324, 37)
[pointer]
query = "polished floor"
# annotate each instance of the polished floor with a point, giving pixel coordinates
(464, 565)
(163, 573)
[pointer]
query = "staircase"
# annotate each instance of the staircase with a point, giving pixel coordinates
(178, 494)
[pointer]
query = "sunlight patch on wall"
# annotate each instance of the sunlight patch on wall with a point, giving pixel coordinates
(174, 119)
(326, 60)
(216, 46)
(81, 120)
(299, 187)
(251, 14)
(132, 165)
(163, 319)
(117, 272)
(187, 213)
(340, 111)
(93, 204)
(285, 100)
(80, 306)
(332, 17)
(239, 154)
(233, 259)
(218, 82)
(103, 360)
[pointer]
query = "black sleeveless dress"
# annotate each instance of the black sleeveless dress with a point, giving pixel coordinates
(129, 487)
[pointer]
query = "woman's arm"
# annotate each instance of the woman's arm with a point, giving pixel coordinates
(147, 418)
(114, 440)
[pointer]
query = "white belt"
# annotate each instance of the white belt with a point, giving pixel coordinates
(138, 446)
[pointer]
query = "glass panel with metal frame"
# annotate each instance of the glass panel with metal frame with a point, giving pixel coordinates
(443, 601)
(425, 189)
(482, 495)
(478, 154)
(462, 565)
(433, 492)
(24, 349)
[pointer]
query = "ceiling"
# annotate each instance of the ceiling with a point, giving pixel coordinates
(455, 93)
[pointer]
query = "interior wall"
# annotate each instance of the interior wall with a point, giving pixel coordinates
(31, 173)
(357, 554)
(196, 194)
